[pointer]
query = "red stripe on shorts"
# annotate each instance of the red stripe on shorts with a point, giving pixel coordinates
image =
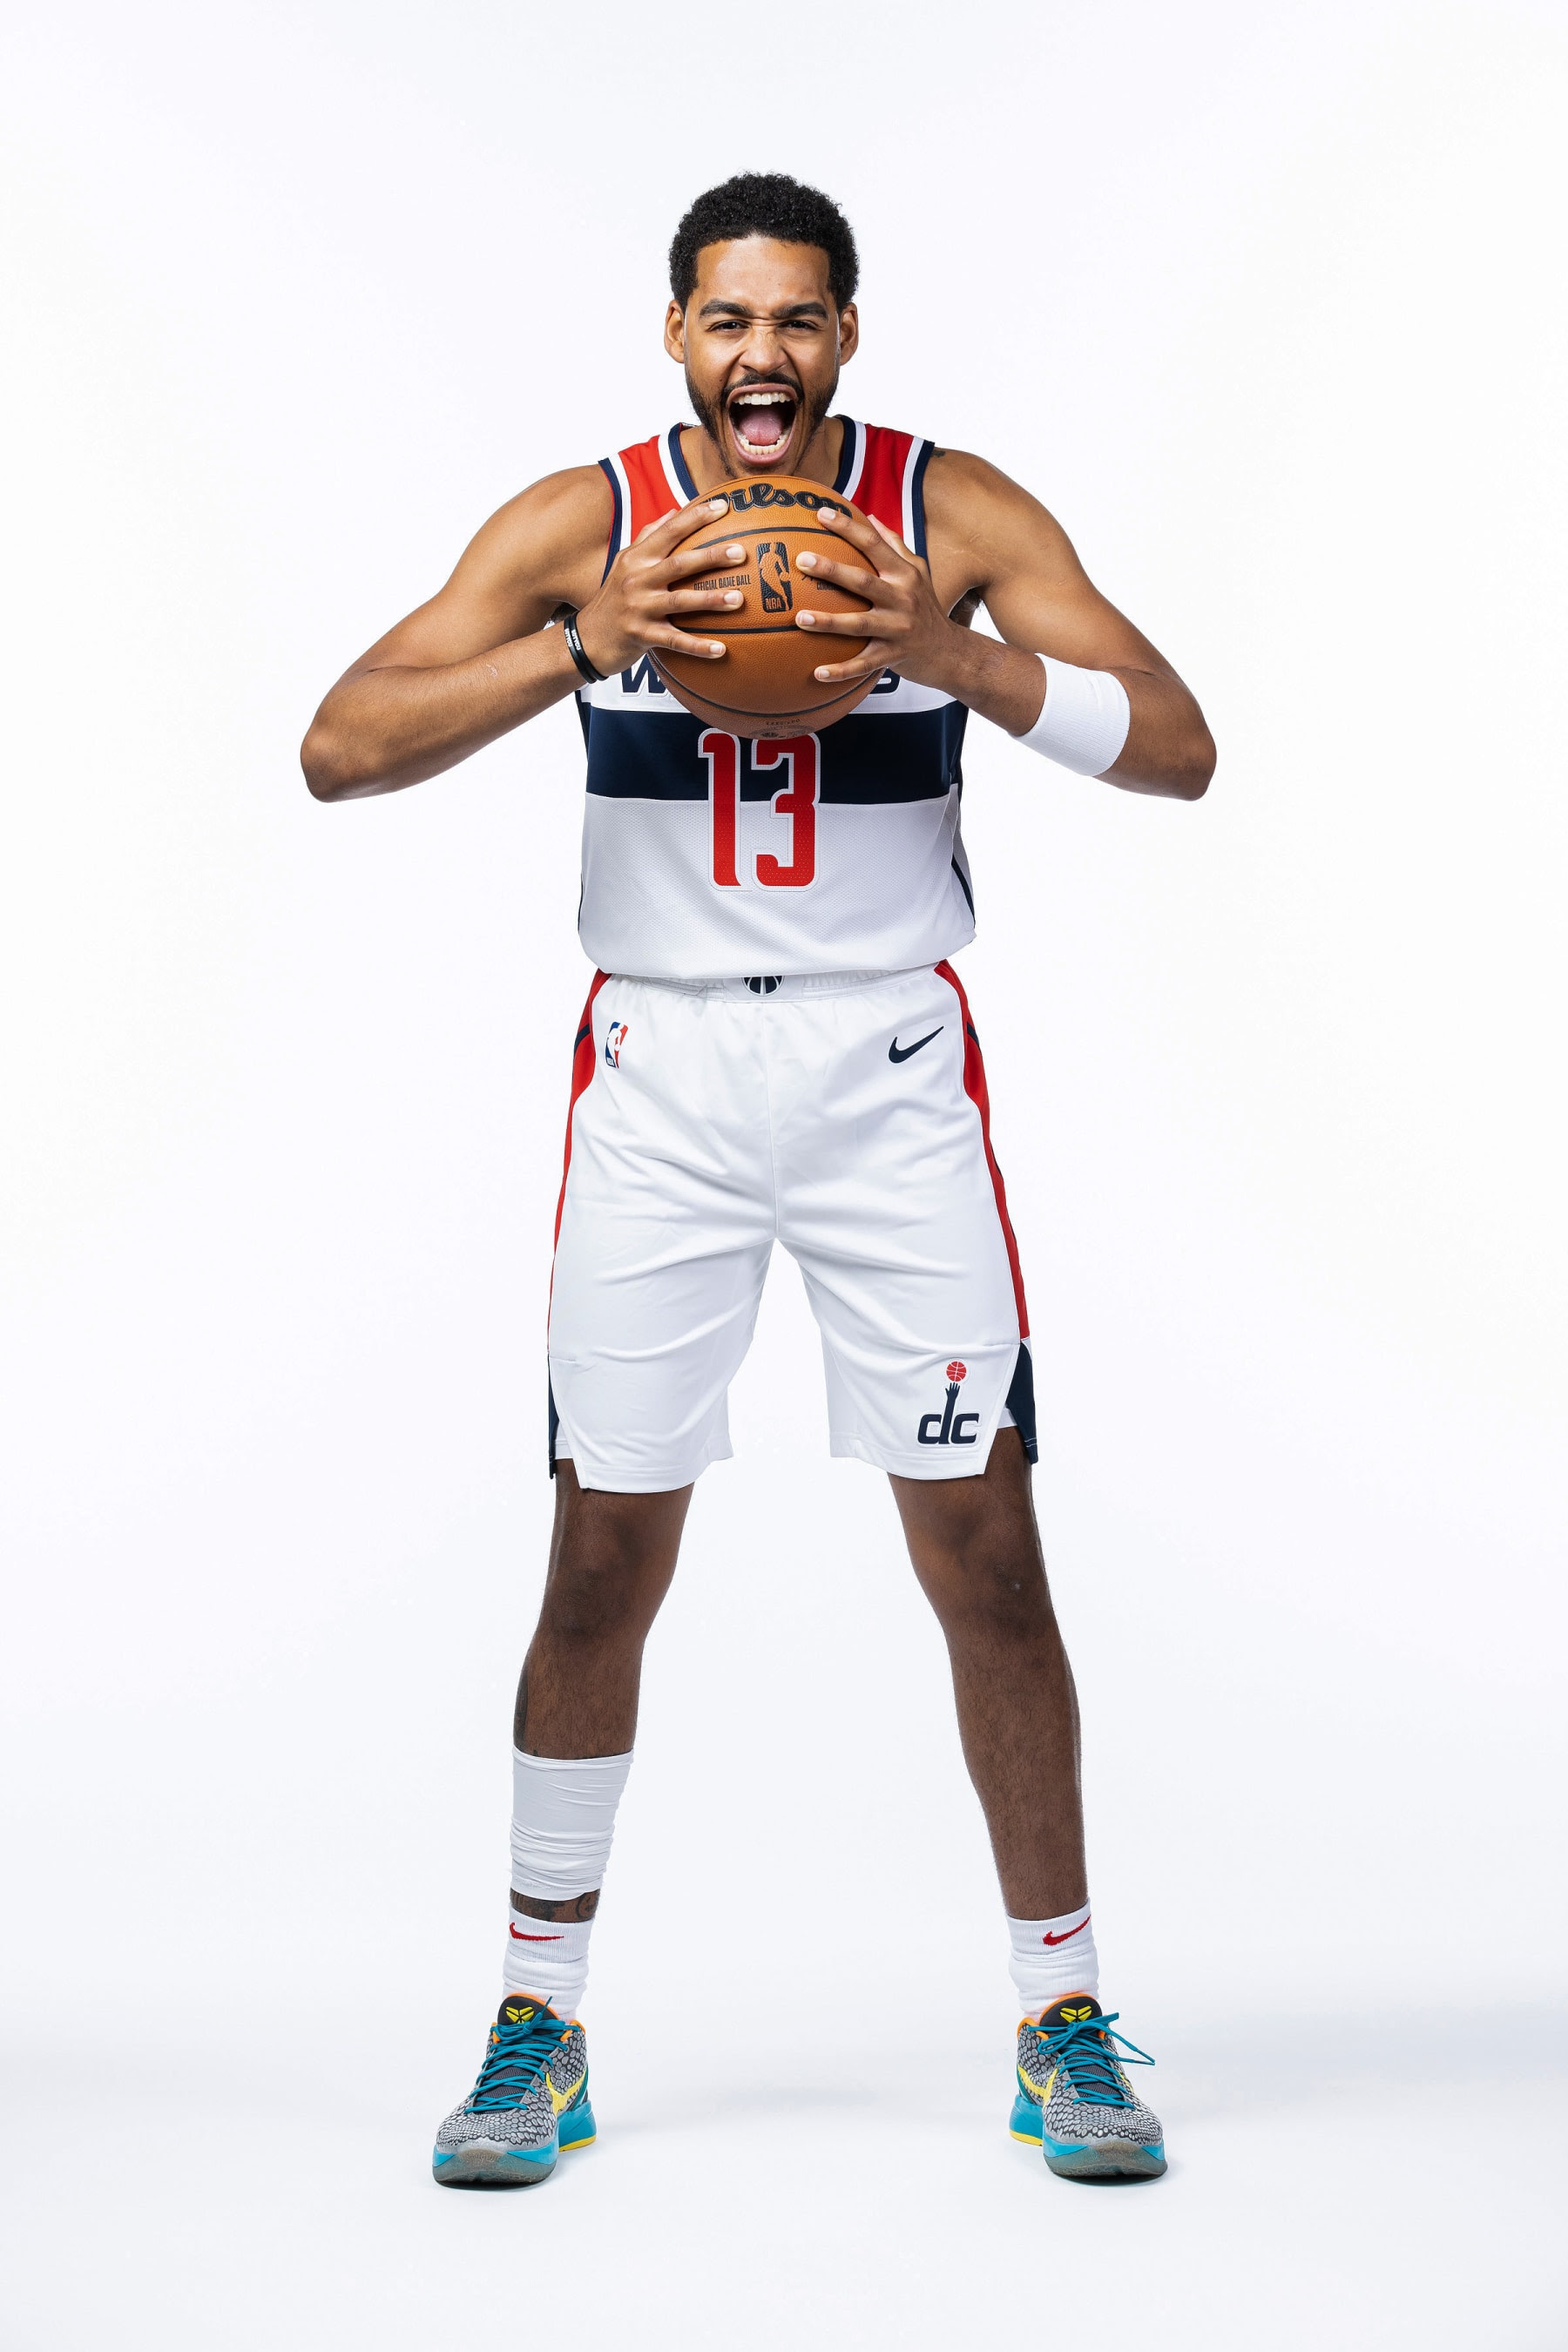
(584, 1056)
(975, 1086)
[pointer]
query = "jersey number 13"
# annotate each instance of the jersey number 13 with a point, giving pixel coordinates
(795, 799)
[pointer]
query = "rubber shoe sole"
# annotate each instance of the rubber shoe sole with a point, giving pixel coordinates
(492, 2164)
(1086, 2159)
(1104, 2159)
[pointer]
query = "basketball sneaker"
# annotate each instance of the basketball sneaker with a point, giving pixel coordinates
(530, 2101)
(1074, 2098)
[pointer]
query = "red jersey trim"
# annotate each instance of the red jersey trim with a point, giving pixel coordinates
(881, 470)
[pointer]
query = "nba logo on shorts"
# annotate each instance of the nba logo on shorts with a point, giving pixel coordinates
(615, 1038)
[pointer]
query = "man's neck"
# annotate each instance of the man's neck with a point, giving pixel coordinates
(706, 464)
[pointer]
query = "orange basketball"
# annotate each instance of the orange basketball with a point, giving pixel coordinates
(765, 685)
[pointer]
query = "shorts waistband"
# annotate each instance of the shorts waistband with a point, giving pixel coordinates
(762, 988)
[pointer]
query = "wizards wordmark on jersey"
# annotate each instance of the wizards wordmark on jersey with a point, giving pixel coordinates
(708, 855)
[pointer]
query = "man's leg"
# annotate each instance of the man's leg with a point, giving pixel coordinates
(977, 1551)
(611, 1560)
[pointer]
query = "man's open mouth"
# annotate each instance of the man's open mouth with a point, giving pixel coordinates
(762, 418)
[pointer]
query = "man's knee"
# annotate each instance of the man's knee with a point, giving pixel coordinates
(611, 1560)
(977, 1549)
(992, 1585)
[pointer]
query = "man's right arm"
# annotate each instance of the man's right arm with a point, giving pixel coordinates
(479, 659)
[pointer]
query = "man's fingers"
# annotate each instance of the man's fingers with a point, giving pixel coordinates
(703, 599)
(687, 560)
(679, 523)
(842, 576)
(893, 540)
(876, 658)
(873, 539)
(671, 641)
(841, 625)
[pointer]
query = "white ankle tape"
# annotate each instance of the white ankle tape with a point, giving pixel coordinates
(1083, 720)
(562, 1819)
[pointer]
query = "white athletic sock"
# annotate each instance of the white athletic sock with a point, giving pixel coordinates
(562, 1819)
(1051, 1957)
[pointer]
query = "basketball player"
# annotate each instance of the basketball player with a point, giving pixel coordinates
(775, 1045)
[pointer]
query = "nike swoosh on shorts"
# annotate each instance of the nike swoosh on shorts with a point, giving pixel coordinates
(897, 1052)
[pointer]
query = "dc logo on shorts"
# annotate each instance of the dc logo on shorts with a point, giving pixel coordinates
(947, 1427)
(615, 1038)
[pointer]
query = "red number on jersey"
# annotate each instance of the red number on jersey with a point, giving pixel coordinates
(797, 801)
(722, 753)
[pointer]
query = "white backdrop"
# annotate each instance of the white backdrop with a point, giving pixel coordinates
(1265, 305)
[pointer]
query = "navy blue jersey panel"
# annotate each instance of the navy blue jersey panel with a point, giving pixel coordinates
(902, 755)
(639, 758)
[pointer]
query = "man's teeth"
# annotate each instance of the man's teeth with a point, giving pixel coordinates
(749, 440)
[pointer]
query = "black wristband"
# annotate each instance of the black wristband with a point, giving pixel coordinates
(574, 647)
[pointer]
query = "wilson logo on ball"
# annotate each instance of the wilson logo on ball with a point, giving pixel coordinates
(780, 494)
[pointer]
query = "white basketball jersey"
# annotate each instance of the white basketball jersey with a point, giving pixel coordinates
(708, 856)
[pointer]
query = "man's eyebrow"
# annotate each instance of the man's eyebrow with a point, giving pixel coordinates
(738, 311)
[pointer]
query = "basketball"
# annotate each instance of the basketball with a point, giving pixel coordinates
(765, 684)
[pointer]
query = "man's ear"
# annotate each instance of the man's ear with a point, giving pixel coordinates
(848, 332)
(675, 331)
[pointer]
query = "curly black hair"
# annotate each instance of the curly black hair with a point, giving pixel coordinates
(765, 203)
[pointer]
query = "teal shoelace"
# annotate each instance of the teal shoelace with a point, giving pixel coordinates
(513, 2063)
(1083, 2052)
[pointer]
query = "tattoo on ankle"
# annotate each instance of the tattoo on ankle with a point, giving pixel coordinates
(581, 1906)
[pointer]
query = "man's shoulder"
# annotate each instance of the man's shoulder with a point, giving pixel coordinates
(984, 519)
(551, 536)
(561, 510)
(956, 480)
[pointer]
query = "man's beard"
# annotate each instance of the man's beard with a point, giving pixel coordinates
(713, 419)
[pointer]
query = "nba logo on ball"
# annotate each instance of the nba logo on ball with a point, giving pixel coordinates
(772, 575)
(615, 1038)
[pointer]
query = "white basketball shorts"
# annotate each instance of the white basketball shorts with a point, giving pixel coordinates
(844, 1115)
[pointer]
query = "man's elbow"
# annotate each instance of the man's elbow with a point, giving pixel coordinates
(329, 773)
(1199, 766)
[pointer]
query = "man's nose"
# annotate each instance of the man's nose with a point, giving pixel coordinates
(764, 348)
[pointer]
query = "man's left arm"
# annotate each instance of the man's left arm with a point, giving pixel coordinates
(990, 541)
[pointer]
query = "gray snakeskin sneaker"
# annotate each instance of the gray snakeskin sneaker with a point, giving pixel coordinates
(1074, 2100)
(530, 2101)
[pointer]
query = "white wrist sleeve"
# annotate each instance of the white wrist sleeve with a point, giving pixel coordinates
(1084, 720)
